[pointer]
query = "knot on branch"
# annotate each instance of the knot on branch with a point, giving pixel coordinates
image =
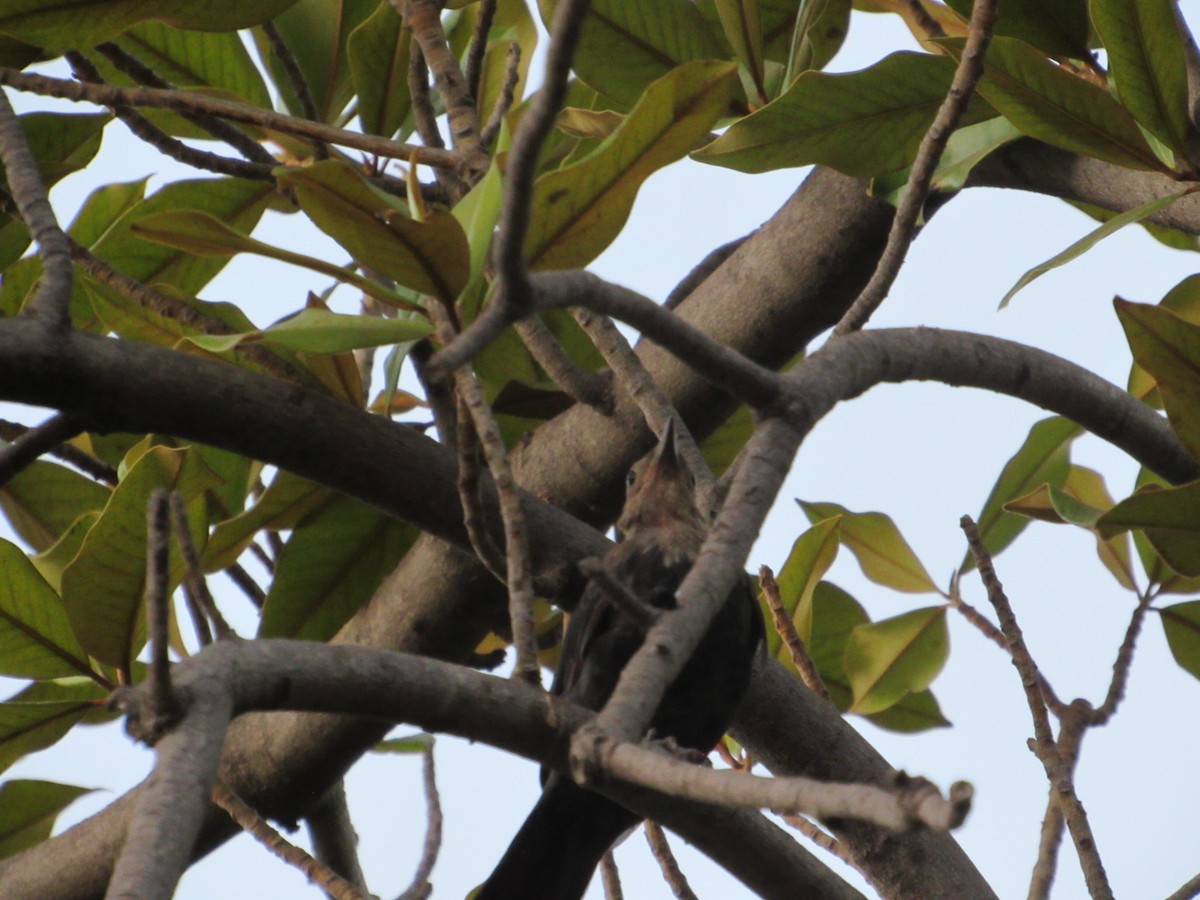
(148, 719)
(923, 805)
(591, 748)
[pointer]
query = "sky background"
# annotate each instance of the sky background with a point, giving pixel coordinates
(924, 454)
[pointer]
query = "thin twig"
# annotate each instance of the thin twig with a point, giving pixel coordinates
(611, 877)
(650, 398)
(1070, 735)
(504, 100)
(164, 708)
(248, 585)
(85, 462)
(168, 146)
(1124, 660)
(672, 874)
(248, 819)
(484, 16)
(222, 131)
(420, 887)
(25, 449)
(480, 537)
(621, 597)
(296, 79)
(190, 101)
(904, 225)
(582, 386)
(437, 394)
(787, 631)
(512, 278)
(822, 839)
(1043, 744)
(1188, 890)
(195, 586)
(51, 301)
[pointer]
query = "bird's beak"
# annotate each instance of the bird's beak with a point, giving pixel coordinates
(666, 454)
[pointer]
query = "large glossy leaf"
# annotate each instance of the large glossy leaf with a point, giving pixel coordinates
(42, 501)
(861, 123)
(429, 256)
(1043, 458)
(810, 558)
(233, 201)
(287, 500)
(1081, 246)
(577, 211)
(378, 55)
(1057, 27)
(316, 32)
(876, 542)
(627, 44)
(1049, 103)
(1168, 347)
(65, 24)
(1170, 518)
(42, 713)
(28, 809)
(1146, 64)
(1181, 623)
(36, 640)
(330, 566)
(887, 660)
(102, 587)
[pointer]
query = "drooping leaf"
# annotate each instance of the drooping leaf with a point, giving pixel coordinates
(28, 809)
(577, 211)
(42, 501)
(810, 558)
(36, 640)
(330, 566)
(862, 123)
(1094, 237)
(1043, 458)
(876, 542)
(627, 44)
(66, 24)
(322, 331)
(430, 256)
(1146, 64)
(1181, 624)
(1050, 104)
(40, 714)
(1170, 518)
(889, 659)
(1056, 27)
(378, 54)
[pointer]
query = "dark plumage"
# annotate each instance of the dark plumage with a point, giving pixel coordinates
(558, 848)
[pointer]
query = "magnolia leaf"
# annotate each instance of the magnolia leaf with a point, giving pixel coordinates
(28, 809)
(810, 558)
(321, 331)
(887, 660)
(876, 542)
(36, 640)
(1181, 624)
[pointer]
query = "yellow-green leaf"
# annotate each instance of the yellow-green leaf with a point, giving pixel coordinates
(36, 640)
(322, 331)
(378, 52)
(810, 558)
(742, 24)
(1181, 624)
(44, 499)
(876, 542)
(28, 809)
(1184, 301)
(43, 712)
(287, 500)
(1170, 518)
(887, 660)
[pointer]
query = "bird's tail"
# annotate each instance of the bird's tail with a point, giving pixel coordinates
(558, 848)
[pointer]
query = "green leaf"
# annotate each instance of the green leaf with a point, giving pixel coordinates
(28, 809)
(414, 743)
(1056, 27)
(1146, 64)
(887, 660)
(821, 27)
(36, 640)
(810, 558)
(1168, 348)
(1081, 246)
(1049, 103)
(835, 615)
(332, 564)
(721, 447)
(914, 712)
(51, 561)
(1043, 458)
(378, 55)
(235, 202)
(1181, 624)
(43, 712)
(861, 123)
(287, 500)
(322, 331)
(1170, 518)
(103, 207)
(742, 23)
(430, 256)
(512, 24)
(316, 32)
(67, 24)
(876, 542)
(102, 587)
(42, 500)
(578, 210)
(1184, 301)
(627, 44)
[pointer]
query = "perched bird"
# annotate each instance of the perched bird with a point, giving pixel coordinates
(562, 841)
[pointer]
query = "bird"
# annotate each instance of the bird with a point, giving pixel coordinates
(660, 531)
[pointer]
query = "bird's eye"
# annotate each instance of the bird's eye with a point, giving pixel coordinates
(630, 478)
